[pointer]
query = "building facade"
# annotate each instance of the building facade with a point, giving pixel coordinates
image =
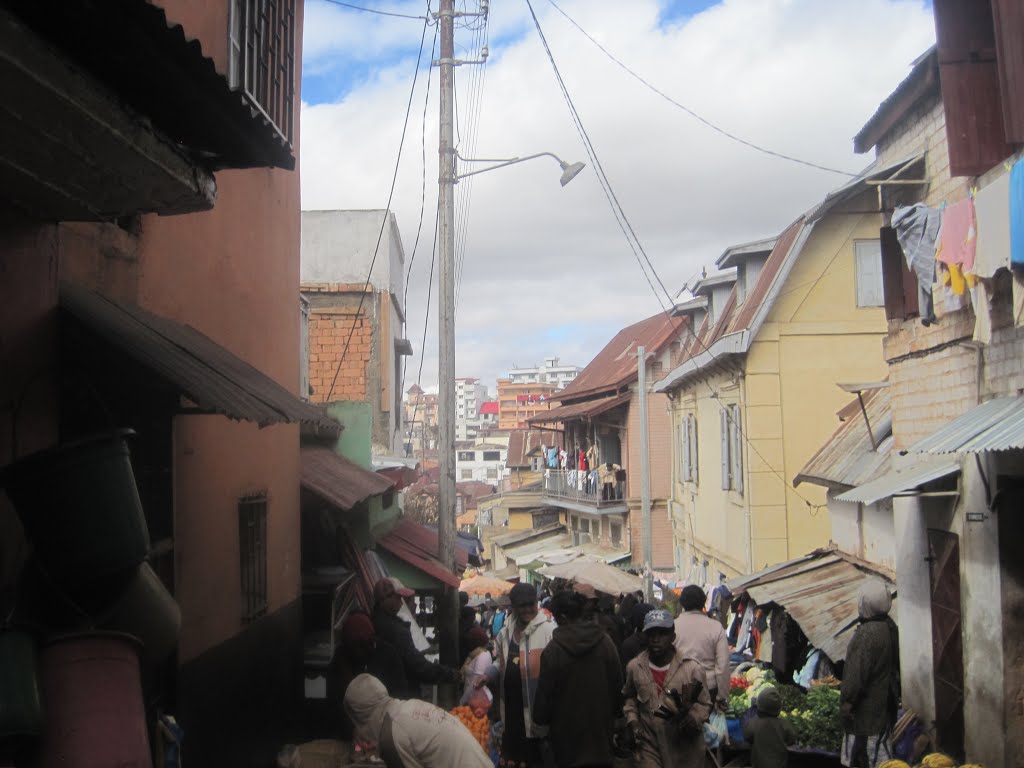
(520, 401)
(551, 372)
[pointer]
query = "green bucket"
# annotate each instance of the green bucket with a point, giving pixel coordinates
(20, 711)
(80, 507)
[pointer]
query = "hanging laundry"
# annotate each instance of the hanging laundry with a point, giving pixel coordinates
(982, 311)
(992, 219)
(957, 236)
(1017, 215)
(808, 672)
(917, 229)
(1018, 298)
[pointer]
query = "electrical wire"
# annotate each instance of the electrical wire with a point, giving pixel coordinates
(381, 13)
(691, 112)
(384, 218)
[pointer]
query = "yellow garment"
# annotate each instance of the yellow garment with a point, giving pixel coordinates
(956, 279)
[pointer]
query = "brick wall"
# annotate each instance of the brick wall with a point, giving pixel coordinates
(328, 331)
(662, 539)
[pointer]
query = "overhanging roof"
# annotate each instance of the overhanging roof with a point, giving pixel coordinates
(899, 480)
(209, 375)
(338, 480)
(820, 591)
(417, 545)
(580, 410)
(997, 425)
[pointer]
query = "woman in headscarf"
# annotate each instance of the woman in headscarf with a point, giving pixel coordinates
(410, 734)
(869, 696)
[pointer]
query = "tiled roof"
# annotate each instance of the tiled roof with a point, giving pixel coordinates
(615, 365)
(490, 407)
(337, 480)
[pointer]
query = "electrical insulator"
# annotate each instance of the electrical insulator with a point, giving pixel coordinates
(484, 53)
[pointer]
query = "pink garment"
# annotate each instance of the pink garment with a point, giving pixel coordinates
(958, 235)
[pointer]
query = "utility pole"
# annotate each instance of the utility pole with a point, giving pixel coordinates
(645, 476)
(448, 614)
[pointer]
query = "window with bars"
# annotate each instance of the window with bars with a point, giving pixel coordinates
(261, 60)
(252, 554)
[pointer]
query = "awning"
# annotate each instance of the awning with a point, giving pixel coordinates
(580, 410)
(209, 375)
(820, 591)
(601, 576)
(997, 425)
(338, 480)
(900, 480)
(417, 545)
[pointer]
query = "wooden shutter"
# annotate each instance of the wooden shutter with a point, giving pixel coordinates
(899, 284)
(684, 446)
(723, 415)
(1008, 21)
(736, 449)
(969, 78)
(693, 449)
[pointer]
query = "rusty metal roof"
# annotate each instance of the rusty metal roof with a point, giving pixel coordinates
(161, 72)
(417, 545)
(209, 375)
(521, 442)
(338, 480)
(615, 365)
(848, 457)
(579, 410)
(997, 425)
(820, 591)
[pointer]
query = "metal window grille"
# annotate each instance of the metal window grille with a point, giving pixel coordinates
(252, 550)
(262, 58)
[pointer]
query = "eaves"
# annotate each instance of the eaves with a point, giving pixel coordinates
(727, 347)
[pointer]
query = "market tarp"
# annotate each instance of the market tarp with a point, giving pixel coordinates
(482, 585)
(601, 576)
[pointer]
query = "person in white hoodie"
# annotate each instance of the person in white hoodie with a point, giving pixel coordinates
(410, 734)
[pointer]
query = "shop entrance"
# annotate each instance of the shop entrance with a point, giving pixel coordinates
(947, 640)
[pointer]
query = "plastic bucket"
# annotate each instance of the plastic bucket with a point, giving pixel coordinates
(94, 712)
(20, 711)
(80, 507)
(147, 611)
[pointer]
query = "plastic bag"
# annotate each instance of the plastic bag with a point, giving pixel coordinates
(716, 730)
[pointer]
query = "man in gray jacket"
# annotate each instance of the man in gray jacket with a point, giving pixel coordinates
(702, 638)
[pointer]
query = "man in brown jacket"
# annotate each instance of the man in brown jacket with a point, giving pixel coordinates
(668, 729)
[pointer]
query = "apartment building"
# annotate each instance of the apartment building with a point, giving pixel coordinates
(551, 372)
(520, 401)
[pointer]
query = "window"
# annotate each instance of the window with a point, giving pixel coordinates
(616, 534)
(252, 554)
(688, 448)
(467, 474)
(261, 58)
(898, 282)
(492, 473)
(584, 525)
(492, 455)
(467, 455)
(868, 255)
(732, 449)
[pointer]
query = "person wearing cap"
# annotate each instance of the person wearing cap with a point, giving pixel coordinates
(579, 694)
(702, 638)
(388, 595)
(767, 734)
(661, 681)
(518, 648)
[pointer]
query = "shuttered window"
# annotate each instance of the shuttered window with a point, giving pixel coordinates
(688, 448)
(726, 446)
(868, 255)
(252, 550)
(898, 282)
(736, 448)
(1008, 21)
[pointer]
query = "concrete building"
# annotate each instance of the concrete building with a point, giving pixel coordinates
(956, 464)
(520, 401)
(551, 372)
(482, 460)
(152, 205)
(755, 393)
(470, 394)
(356, 342)
(420, 421)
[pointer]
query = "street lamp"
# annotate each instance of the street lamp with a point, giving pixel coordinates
(569, 170)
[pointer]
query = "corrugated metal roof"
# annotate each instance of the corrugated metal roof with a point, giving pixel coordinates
(997, 425)
(209, 375)
(848, 458)
(579, 410)
(337, 480)
(157, 69)
(521, 442)
(820, 592)
(417, 545)
(893, 482)
(615, 365)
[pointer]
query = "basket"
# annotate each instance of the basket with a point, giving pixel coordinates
(322, 753)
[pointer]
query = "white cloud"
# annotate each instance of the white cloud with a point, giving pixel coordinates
(547, 270)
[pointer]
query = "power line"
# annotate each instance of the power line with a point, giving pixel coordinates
(380, 13)
(694, 114)
(384, 218)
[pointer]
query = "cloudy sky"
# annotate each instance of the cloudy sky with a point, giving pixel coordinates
(547, 270)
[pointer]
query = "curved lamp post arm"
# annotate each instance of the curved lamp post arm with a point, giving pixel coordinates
(569, 170)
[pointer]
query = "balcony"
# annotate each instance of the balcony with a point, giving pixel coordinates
(565, 488)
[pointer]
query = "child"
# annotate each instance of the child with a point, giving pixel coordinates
(767, 735)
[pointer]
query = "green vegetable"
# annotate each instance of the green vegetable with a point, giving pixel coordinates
(817, 723)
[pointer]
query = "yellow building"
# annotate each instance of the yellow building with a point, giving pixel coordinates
(786, 320)
(520, 400)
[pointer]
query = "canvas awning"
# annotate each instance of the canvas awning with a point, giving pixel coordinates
(997, 425)
(338, 480)
(900, 480)
(601, 576)
(207, 374)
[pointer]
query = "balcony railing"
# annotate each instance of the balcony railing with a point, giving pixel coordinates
(585, 487)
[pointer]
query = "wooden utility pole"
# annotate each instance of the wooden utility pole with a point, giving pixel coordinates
(645, 475)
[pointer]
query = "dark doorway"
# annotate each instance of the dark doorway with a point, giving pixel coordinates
(947, 641)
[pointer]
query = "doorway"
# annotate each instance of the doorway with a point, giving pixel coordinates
(947, 641)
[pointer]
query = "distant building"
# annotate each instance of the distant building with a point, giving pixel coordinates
(518, 401)
(470, 394)
(482, 460)
(549, 373)
(419, 420)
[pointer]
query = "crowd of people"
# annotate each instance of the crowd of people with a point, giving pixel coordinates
(574, 678)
